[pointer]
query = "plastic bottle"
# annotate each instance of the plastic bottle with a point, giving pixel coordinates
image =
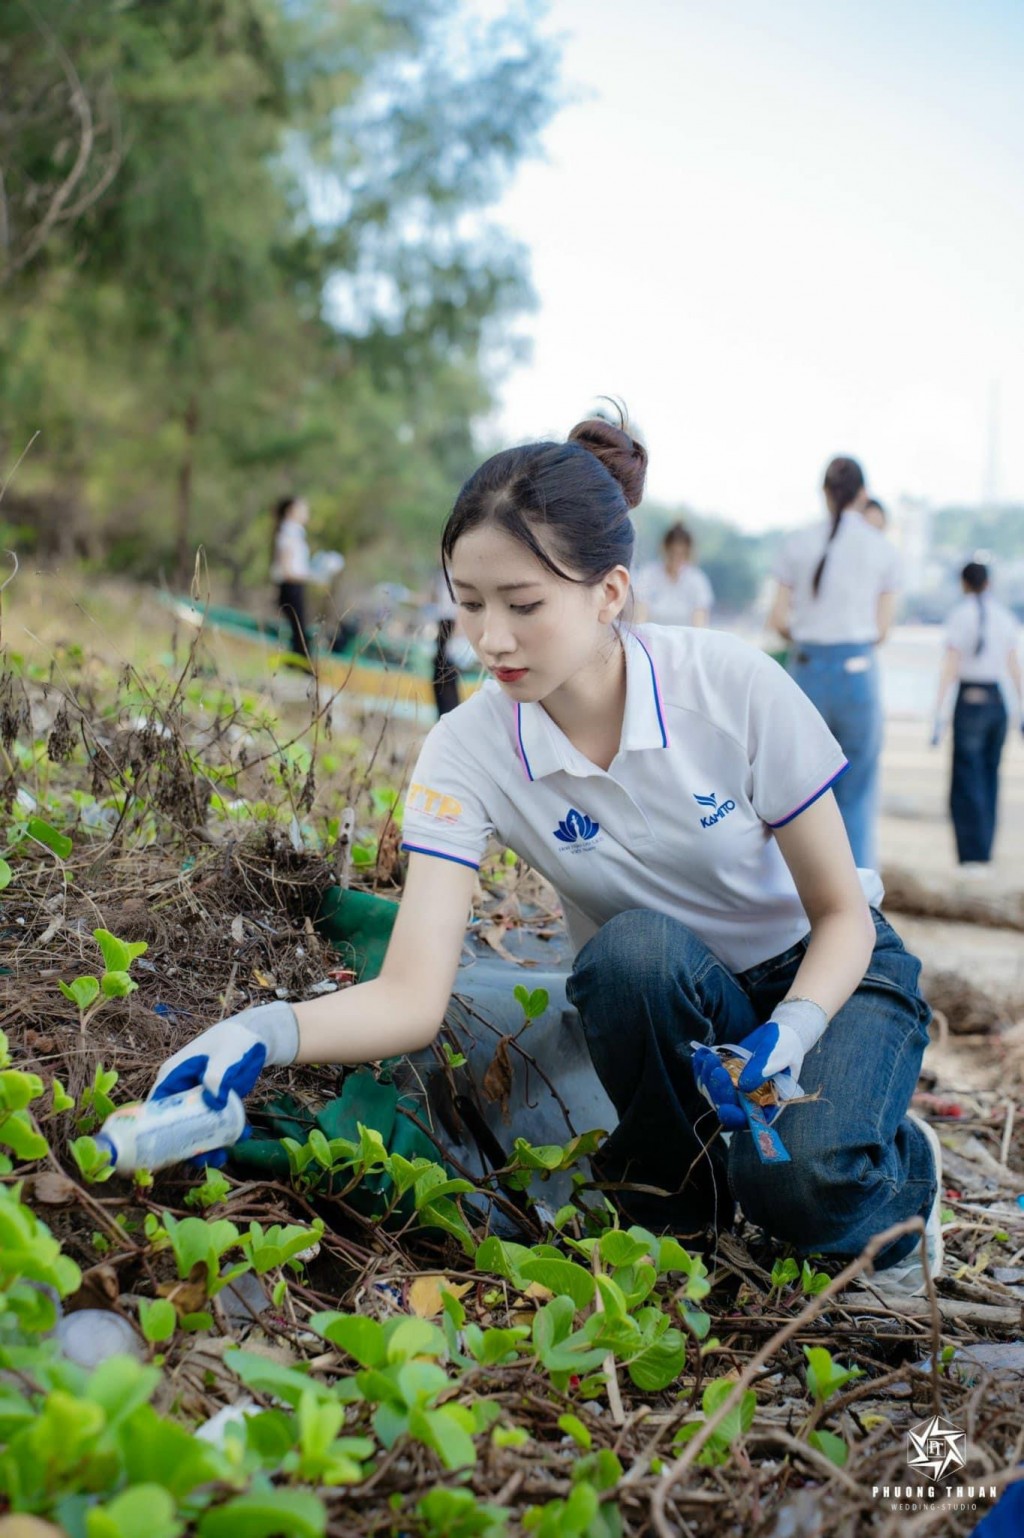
(151, 1134)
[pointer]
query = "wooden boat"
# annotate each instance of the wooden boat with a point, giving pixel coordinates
(383, 672)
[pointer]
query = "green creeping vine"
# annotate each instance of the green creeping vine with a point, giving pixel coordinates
(88, 1450)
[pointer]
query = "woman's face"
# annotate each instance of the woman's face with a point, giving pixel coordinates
(299, 511)
(533, 630)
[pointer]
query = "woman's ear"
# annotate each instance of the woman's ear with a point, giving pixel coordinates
(614, 588)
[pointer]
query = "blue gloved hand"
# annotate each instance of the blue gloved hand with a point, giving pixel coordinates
(230, 1055)
(781, 1044)
(716, 1086)
(937, 727)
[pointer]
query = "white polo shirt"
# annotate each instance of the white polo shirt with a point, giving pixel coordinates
(998, 634)
(718, 747)
(672, 600)
(862, 565)
(291, 553)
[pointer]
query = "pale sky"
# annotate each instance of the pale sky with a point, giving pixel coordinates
(782, 230)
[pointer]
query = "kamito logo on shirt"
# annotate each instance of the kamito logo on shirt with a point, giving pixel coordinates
(717, 812)
(576, 828)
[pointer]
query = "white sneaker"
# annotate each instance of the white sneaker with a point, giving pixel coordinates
(906, 1278)
(973, 870)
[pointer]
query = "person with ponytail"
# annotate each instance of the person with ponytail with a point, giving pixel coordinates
(290, 567)
(982, 660)
(675, 787)
(834, 603)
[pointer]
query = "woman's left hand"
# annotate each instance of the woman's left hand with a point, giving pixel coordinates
(781, 1044)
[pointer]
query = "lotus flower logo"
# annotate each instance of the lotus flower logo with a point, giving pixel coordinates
(576, 827)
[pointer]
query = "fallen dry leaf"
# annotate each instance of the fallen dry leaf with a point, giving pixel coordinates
(497, 1083)
(423, 1295)
(100, 1288)
(18, 1524)
(53, 1189)
(494, 935)
(190, 1296)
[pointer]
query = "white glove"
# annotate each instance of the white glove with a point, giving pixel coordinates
(777, 1049)
(230, 1055)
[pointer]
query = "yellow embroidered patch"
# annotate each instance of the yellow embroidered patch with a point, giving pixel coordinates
(434, 803)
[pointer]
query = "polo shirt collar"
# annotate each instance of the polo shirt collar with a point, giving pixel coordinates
(545, 749)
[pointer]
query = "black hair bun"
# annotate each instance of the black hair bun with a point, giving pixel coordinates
(623, 456)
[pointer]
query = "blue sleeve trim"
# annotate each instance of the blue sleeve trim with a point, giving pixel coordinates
(439, 854)
(811, 799)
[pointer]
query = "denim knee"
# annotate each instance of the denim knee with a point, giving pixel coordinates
(639, 948)
(810, 1202)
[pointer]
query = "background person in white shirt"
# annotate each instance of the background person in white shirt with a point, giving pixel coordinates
(290, 567)
(674, 784)
(673, 591)
(835, 600)
(981, 658)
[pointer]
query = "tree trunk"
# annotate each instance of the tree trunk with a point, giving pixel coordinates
(184, 558)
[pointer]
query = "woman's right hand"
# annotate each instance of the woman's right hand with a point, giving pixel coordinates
(231, 1054)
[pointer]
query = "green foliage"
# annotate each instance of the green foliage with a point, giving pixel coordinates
(812, 1282)
(278, 273)
(824, 1376)
(344, 1165)
(831, 1445)
(735, 1424)
(18, 1131)
(532, 1001)
(457, 1514)
(157, 1319)
(58, 843)
(586, 1512)
(215, 1188)
(92, 1160)
(29, 1254)
(88, 993)
(95, 1104)
(784, 1273)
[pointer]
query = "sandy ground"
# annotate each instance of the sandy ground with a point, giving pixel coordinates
(916, 835)
(915, 831)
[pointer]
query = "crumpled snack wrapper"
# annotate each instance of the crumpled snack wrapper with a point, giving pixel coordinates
(774, 1091)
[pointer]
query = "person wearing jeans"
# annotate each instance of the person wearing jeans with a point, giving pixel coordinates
(675, 786)
(646, 987)
(834, 602)
(981, 658)
(979, 731)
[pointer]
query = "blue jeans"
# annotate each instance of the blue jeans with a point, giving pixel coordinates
(851, 705)
(979, 731)
(645, 986)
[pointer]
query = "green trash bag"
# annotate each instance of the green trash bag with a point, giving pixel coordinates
(358, 925)
(364, 1100)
